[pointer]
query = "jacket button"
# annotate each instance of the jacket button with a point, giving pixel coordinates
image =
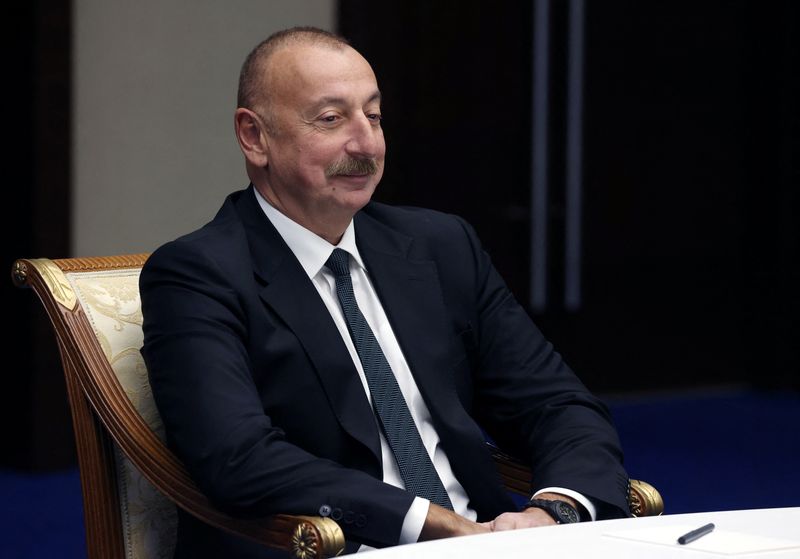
(325, 510)
(348, 517)
(336, 514)
(361, 520)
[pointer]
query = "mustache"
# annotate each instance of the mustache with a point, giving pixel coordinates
(350, 166)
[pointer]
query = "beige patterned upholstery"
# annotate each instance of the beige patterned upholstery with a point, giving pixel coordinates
(111, 302)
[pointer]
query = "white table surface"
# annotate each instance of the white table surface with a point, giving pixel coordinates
(591, 539)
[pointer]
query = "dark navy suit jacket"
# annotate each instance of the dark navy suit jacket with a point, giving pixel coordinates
(261, 400)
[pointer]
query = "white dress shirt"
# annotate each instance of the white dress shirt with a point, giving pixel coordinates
(312, 251)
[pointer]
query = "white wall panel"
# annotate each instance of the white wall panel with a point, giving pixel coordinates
(155, 81)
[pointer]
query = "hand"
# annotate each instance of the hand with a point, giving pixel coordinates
(529, 518)
(443, 523)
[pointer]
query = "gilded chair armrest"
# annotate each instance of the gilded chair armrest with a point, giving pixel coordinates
(304, 537)
(315, 536)
(644, 499)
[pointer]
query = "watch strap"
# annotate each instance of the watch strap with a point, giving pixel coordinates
(560, 511)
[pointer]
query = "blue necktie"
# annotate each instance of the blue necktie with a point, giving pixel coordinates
(390, 407)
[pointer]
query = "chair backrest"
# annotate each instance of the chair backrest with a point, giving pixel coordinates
(131, 482)
(101, 297)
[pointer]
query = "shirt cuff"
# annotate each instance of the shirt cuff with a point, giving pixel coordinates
(414, 520)
(587, 504)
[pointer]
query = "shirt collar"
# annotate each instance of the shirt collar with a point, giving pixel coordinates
(311, 250)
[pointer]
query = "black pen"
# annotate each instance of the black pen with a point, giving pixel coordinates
(696, 534)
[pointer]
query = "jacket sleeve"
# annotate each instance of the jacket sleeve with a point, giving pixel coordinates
(528, 399)
(195, 332)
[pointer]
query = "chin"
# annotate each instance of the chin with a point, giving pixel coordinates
(358, 199)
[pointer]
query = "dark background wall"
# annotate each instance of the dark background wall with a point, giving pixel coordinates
(36, 428)
(691, 136)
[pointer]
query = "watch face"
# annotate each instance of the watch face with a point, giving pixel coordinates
(567, 513)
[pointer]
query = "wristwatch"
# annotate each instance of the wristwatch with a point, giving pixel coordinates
(561, 511)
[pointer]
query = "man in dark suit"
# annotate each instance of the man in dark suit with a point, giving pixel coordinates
(296, 378)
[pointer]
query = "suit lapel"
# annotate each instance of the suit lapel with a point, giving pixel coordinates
(292, 296)
(411, 295)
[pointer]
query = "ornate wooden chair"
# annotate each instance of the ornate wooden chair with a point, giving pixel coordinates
(131, 481)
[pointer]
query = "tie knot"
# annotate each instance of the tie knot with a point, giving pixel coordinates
(339, 262)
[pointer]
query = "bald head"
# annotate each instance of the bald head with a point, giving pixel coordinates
(254, 80)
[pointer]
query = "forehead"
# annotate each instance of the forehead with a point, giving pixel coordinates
(305, 73)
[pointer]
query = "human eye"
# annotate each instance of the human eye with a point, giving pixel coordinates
(329, 118)
(375, 117)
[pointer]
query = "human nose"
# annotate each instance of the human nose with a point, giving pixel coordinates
(366, 138)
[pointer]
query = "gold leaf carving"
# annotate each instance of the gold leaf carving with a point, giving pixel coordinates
(56, 282)
(304, 542)
(644, 499)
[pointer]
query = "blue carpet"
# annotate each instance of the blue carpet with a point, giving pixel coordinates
(41, 516)
(714, 452)
(703, 452)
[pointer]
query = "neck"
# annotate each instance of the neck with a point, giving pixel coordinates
(331, 228)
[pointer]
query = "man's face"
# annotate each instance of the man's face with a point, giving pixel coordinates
(325, 143)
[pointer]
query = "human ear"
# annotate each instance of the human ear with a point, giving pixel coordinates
(251, 135)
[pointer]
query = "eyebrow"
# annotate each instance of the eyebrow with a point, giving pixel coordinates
(333, 100)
